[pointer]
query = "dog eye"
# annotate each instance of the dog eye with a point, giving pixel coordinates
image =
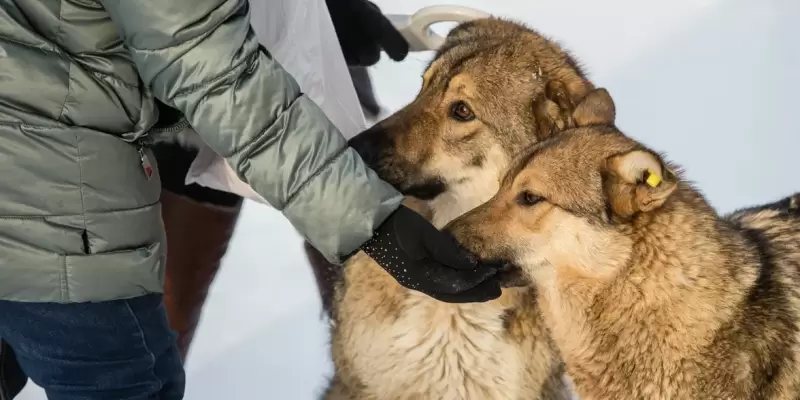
(527, 199)
(461, 112)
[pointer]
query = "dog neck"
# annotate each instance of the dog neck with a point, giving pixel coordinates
(685, 273)
(461, 198)
(476, 186)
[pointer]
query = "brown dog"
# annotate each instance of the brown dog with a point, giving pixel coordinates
(648, 293)
(493, 89)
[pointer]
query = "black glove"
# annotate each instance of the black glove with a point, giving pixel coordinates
(364, 31)
(423, 258)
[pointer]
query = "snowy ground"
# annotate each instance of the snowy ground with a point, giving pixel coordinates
(711, 82)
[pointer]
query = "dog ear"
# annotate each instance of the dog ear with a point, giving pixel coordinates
(596, 108)
(553, 110)
(481, 30)
(637, 181)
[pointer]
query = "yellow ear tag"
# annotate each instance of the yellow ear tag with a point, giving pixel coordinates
(653, 179)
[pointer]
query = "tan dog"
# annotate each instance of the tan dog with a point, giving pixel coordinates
(493, 89)
(648, 293)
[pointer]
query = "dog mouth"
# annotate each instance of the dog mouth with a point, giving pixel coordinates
(427, 190)
(509, 274)
(512, 277)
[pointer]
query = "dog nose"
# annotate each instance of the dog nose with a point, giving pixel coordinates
(370, 143)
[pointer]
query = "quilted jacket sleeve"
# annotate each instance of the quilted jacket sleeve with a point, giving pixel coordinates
(202, 57)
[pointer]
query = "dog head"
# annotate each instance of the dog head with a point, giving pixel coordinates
(494, 88)
(569, 204)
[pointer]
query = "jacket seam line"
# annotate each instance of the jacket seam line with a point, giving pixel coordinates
(81, 182)
(55, 51)
(63, 278)
(219, 77)
(59, 32)
(117, 80)
(97, 74)
(58, 125)
(23, 125)
(313, 176)
(44, 217)
(66, 97)
(201, 36)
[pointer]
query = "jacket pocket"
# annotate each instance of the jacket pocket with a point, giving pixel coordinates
(113, 275)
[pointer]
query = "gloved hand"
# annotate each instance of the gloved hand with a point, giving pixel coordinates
(364, 31)
(423, 258)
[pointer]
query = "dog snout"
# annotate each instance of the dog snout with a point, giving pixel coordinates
(473, 238)
(472, 231)
(464, 233)
(370, 144)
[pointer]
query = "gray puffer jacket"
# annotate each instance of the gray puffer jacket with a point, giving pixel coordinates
(79, 217)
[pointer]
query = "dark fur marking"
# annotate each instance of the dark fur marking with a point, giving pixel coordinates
(471, 135)
(787, 205)
(767, 306)
(427, 190)
(507, 318)
(458, 66)
(477, 161)
(553, 383)
(451, 44)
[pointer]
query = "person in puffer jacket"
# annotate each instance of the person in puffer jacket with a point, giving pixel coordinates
(82, 242)
(200, 221)
(193, 259)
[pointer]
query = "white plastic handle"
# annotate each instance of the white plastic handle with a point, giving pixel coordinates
(416, 28)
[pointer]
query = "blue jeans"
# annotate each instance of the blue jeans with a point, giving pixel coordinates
(121, 350)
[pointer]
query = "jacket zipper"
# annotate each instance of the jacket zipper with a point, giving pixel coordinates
(142, 143)
(177, 127)
(146, 140)
(141, 147)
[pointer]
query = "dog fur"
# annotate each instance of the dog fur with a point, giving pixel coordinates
(494, 88)
(648, 293)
